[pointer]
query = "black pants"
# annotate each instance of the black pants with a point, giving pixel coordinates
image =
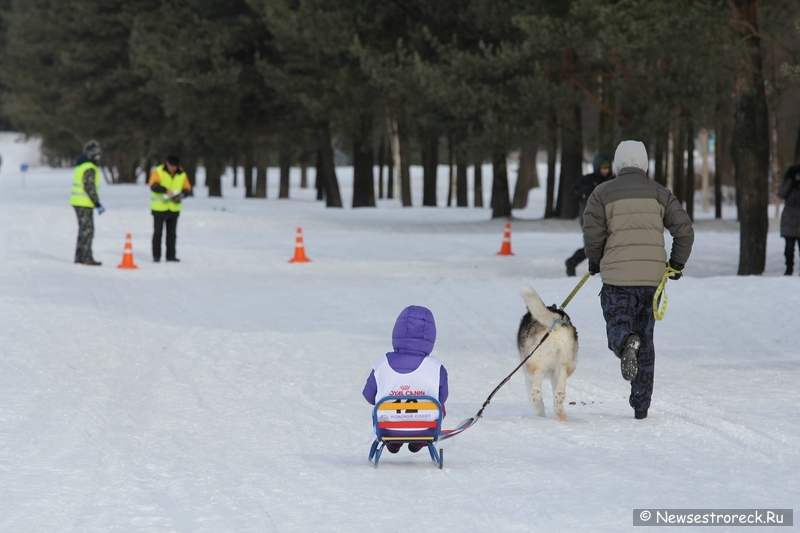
(83, 248)
(788, 252)
(630, 310)
(171, 220)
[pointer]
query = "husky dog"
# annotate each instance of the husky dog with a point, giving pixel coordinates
(556, 357)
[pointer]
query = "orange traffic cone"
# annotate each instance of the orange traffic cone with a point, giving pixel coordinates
(506, 248)
(127, 257)
(299, 249)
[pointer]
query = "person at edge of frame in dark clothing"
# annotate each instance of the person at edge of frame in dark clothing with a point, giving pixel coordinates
(84, 198)
(790, 218)
(581, 190)
(169, 186)
(623, 233)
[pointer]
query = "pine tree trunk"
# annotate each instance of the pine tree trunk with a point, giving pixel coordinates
(332, 196)
(678, 146)
(521, 188)
(718, 169)
(285, 164)
(405, 163)
(551, 129)
(214, 169)
(723, 156)
(451, 181)
(390, 177)
(248, 162)
(190, 167)
(381, 162)
(126, 168)
(461, 181)
(304, 175)
(363, 180)
(606, 122)
(751, 147)
(235, 168)
(527, 174)
(501, 204)
(262, 163)
(797, 147)
(704, 169)
(430, 160)
(690, 169)
(319, 179)
(478, 184)
(571, 163)
(659, 175)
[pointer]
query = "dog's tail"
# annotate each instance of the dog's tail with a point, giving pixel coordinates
(536, 306)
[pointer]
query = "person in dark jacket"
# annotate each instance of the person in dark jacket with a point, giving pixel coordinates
(84, 198)
(410, 366)
(623, 233)
(790, 218)
(582, 189)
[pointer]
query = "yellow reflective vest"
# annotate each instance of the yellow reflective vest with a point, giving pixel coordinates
(159, 201)
(79, 198)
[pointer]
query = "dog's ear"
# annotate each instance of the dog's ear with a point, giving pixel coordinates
(560, 312)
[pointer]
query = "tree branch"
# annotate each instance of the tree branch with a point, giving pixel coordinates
(607, 110)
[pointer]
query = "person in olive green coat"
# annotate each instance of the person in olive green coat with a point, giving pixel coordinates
(623, 233)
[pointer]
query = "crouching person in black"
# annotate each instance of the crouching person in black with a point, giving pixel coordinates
(582, 189)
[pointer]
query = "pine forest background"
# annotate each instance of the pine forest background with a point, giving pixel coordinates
(390, 83)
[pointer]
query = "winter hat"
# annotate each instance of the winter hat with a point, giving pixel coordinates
(630, 154)
(173, 160)
(92, 149)
(601, 161)
(414, 330)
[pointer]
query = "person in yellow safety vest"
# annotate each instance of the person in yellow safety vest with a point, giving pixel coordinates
(169, 186)
(85, 184)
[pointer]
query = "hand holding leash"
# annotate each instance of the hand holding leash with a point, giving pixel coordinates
(659, 305)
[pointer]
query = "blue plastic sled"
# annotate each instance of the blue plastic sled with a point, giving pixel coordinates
(406, 420)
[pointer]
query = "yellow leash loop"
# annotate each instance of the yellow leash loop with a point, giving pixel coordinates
(576, 289)
(659, 310)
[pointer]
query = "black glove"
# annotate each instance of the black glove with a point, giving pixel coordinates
(594, 267)
(177, 198)
(676, 266)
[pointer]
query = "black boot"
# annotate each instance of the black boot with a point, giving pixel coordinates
(629, 364)
(576, 259)
(789, 270)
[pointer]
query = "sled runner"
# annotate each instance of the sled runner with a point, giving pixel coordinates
(407, 420)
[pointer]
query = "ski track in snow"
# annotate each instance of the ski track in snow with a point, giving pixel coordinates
(224, 393)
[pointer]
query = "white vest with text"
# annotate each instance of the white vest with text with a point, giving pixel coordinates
(424, 381)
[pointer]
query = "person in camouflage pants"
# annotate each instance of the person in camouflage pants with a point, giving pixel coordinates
(629, 310)
(84, 198)
(83, 249)
(623, 235)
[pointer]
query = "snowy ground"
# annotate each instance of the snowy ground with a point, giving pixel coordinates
(223, 394)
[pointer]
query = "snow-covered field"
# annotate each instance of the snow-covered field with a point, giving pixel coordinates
(223, 394)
